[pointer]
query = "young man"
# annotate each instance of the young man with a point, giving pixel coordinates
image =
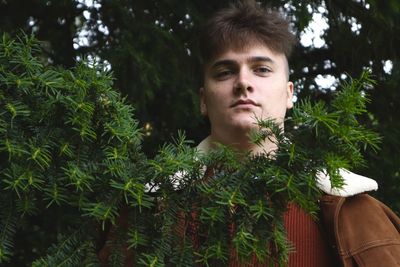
(245, 51)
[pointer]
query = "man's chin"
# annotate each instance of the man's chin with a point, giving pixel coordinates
(246, 126)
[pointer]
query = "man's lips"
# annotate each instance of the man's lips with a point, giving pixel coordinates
(243, 102)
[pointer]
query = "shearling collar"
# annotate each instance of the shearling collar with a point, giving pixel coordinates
(353, 183)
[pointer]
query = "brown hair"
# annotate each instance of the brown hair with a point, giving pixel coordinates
(241, 23)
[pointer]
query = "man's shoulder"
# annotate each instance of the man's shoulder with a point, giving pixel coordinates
(362, 203)
(352, 200)
(362, 229)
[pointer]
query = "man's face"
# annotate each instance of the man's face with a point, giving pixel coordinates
(240, 86)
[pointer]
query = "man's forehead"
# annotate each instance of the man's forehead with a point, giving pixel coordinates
(235, 61)
(252, 53)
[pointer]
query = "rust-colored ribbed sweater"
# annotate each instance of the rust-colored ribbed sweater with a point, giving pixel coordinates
(310, 248)
(305, 233)
(307, 237)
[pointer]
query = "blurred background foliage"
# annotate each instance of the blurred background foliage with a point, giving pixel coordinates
(151, 48)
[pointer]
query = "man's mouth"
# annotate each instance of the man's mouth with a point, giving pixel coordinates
(244, 102)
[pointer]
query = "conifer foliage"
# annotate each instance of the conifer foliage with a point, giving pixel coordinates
(66, 138)
(74, 181)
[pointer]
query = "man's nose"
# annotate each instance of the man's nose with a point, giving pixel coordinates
(243, 83)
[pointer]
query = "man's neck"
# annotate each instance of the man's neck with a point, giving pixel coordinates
(241, 143)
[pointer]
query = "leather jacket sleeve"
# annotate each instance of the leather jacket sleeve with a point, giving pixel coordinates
(361, 230)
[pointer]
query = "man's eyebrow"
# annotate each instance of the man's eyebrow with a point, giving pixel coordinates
(260, 59)
(223, 62)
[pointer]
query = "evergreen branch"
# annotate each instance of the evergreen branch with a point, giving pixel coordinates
(54, 193)
(8, 225)
(69, 251)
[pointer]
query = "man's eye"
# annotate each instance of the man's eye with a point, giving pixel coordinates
(223, 74)
(262, 70)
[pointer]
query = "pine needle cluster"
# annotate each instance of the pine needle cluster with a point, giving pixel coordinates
(75, 181)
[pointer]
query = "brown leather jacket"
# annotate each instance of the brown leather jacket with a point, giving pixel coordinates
(362, 231)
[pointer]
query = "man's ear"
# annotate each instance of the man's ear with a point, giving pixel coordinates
(203, 106)
(289, 95)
